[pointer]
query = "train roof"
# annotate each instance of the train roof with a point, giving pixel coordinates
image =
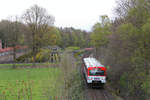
(92, 62)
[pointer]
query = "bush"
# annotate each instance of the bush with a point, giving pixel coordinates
(25, 57)
(78, 53)
(73, 48)
(43, 55)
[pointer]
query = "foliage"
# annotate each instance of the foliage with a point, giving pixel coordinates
(73, 83)
(127, 48)
(38, 21)
(52, 37)
(146, 85)
(25, 58)
(127, 31)
(100, 32)
(73, 48)
(12, 34)
(43, 55)
(74, 37)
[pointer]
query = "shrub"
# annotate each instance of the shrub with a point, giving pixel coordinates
(73, 48)
(25, 57)
(43, 55)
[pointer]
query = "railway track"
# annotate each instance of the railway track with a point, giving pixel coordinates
(94, 93)
(105, 95)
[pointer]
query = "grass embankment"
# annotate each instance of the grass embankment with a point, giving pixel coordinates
(29, 84)
(73, 82)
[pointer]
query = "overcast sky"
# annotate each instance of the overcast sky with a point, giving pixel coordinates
(80, 14)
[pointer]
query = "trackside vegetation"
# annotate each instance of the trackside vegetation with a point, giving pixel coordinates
(73, 82)
(123, 45)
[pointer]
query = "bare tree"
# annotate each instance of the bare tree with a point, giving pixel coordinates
(123, 7)
(38, 21)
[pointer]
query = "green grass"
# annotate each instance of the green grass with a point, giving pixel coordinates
(23, 65)
(29, 84)
(9, 65)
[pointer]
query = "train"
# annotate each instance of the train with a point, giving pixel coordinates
(94, 72)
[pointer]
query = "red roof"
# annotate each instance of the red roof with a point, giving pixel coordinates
(6, 49)
(89, 48)
(11, 48)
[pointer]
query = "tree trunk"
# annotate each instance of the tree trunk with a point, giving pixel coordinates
(33, 49)
(14, 57)
(96, 52)
(34, 56)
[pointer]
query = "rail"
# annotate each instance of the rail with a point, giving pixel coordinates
(105, 95)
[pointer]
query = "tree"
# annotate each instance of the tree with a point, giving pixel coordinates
(99, 36)
(52, 37)
(3, 32)
(136, 12)
(38, 21)
(13, 34)
(100, 32)
(74, 37)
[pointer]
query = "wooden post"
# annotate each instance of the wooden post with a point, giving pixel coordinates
(0, 44)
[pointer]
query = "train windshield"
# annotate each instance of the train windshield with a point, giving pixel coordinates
(96, 72)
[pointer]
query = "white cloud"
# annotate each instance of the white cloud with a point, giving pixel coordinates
(76, 13)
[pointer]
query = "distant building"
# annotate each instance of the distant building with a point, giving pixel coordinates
(0, 44)
(54, 48)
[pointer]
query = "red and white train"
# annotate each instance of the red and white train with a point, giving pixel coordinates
(94, 71)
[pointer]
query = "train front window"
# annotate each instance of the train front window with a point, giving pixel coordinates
(96, 72)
